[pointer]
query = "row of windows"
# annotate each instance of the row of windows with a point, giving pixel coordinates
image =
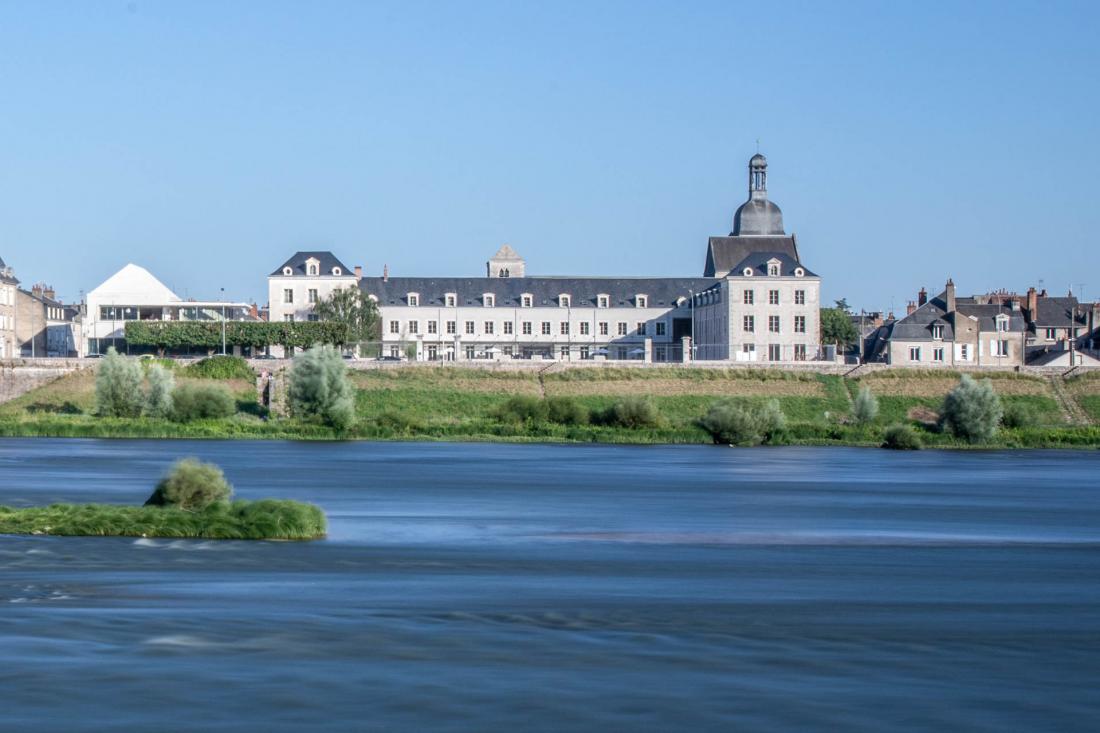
(1000, 348)
(749, 297)
(603, 328)
(748, 324)
(488, 300)
(775, 351)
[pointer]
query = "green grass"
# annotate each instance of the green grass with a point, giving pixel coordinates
(268, 519)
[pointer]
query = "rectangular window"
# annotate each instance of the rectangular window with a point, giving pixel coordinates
(469, 352)
(603, 302)
(773, 324)
(748, 348)
(641, 328)
(773, 297)
(565, 328)
(414, 326)
(1051, 334)
(508, 325)
(450, 300)
(660, 328)
(526, 301)
(414, 300)
(433, 352)
(937, 354)
(395, 327)
(288, 295)
(469, 327)
(313, 317)
(526, 328)
(603, 328)
(546, 328)
(622, 328)
(452, 327)
(584, 328)
(1002, 324)
(563, 353)
(433, 327)
(490, 301)
(288, 317)
(748, 323)
(964, 352)
(584, 352)
(395, 352)
(800, 297)
(749, 297)
(508, 351)
(937, 331)
(1002, 347)
(800, 324)
(489, 327)
(774, 352)
(914, 353)
(642, 301)
(563, 301)
(311, 295)
(800, 352)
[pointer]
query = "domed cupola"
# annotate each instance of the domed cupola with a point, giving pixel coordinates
(758, 216)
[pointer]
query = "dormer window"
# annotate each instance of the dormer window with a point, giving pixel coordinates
(488, 300)
(313, 266)
(603, 301)
(413, 299)
(287, 271)
(450, 299)
(799, 272)
(1002, 323)
(564, 300)
(526, 300)
(641, 301)
(937, 331)
(773, 268)
(747, 272)
(337, 271)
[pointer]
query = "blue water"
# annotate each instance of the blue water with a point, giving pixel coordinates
(475, 587)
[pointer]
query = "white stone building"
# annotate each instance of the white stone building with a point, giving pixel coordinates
(133, 294)
(8, 287)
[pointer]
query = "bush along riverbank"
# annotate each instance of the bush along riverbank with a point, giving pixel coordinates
(216, 398)
(192, 501)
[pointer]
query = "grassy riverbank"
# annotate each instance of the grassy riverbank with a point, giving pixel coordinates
(268, 519)
(464, 404)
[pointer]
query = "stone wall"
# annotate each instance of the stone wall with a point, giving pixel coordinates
(18, 376)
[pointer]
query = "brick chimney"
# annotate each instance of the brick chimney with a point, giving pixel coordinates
(950, 295)
(1032, 303)
(910, 308)
(50, 293)
(358, 272)
(385, 273)
(922, 297)
(36, 290)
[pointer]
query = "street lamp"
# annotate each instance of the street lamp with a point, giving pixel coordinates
(223, 321)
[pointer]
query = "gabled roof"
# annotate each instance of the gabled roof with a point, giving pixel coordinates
(506, 253)
(725, 253)
(917, 326)
(1057, 313)
(133, 285)
(758, 261)
(297, 264)
(662, 292)
(986, 315)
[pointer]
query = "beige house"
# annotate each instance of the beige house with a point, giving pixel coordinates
(44, 325)
(8, 288)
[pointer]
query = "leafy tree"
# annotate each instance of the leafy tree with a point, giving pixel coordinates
(320, 389)
(192, 485)
(865, 406)
(354, 310)
(837, 328)
(118, 390)
(972, 410)
(842, 305)
(158, 397)
(735, 423)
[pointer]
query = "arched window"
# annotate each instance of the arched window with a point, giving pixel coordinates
(313, 269)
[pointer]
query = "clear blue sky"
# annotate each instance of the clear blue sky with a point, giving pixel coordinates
(207, 141)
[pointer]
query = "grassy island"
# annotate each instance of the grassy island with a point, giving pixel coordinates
(192, 501)
(578, 404)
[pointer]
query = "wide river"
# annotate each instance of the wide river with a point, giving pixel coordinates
(547, 588)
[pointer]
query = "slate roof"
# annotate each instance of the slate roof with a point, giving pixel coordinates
(1057, 313)
(661, 291)
(758, 261)
(725, 253)
(917, 326)
(297, 263)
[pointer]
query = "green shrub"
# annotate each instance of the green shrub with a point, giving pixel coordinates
(201, 401)
(220, 367)
(630, 412)
(566, 411)
(158, 396)
(118, 390)
(901, 437)
(191, 485)
(397, 422)
(1019, 415)
(319, 388)
(734, 423)
(521, 409)
(865, 406)
(972, 410)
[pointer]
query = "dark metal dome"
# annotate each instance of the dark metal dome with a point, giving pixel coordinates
(758, 216)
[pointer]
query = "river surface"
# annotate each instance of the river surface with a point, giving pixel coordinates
(476, 587)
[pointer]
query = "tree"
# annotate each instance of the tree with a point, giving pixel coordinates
(118, 390)
(837, 328)
(158, 398)
(320, 388)
(865, 406)
(192, 485)
(972, 410)
(842, 305)
(355, 310)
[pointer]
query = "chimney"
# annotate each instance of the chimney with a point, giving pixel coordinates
(922, 297)
(358, 272)
(36, 289)
(950, 295)
(910, 308)
(1032, 303)
(50, 293)
(385, 273)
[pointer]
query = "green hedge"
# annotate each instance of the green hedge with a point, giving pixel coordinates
(256, 334)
